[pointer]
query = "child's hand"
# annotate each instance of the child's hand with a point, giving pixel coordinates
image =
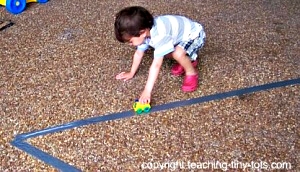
(124, 76)
(145, 97)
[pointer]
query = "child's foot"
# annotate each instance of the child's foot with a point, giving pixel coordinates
(190, 83)
(178, 70)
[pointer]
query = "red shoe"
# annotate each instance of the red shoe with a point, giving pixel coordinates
(178, 70)
(190, 83)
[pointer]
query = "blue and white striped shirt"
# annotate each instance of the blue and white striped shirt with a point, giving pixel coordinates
(168, 31)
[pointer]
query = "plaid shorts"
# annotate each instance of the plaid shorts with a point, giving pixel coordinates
(192, 47)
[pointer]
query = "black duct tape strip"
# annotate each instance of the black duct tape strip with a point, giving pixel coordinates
(20, 140)
(5, 24)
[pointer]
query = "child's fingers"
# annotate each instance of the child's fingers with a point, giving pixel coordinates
(125, 79)
(144, 100)
(120, 75)
(147, 101)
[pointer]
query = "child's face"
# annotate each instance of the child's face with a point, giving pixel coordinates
(136, 41)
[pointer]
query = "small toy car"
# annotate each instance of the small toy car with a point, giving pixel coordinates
(18, 6)
(139, 108)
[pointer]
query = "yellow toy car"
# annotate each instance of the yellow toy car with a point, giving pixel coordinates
(139, 108)
(18, 6)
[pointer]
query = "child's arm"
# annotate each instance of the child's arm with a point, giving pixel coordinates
(153, 74)
(137, 58)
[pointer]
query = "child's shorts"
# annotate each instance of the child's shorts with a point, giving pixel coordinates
(192, 47)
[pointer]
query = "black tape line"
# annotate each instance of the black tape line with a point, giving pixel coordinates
(20, 140)
(6, 24)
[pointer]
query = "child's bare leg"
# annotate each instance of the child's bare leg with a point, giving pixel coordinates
(180, 56)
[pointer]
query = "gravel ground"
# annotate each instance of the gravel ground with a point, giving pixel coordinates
(59, 60)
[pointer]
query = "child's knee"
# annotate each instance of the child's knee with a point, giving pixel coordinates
(178, 53)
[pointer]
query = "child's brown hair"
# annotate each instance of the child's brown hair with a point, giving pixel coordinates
(130, 21)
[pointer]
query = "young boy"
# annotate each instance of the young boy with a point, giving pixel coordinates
(170, 36)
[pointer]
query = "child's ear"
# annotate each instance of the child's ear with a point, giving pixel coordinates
(143, 33)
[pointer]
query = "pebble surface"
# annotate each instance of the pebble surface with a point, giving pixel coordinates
(58, 64)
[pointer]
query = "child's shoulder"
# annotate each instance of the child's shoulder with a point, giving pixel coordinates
(171, 18)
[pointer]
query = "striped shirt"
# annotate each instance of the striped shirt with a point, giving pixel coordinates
(168, 31)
